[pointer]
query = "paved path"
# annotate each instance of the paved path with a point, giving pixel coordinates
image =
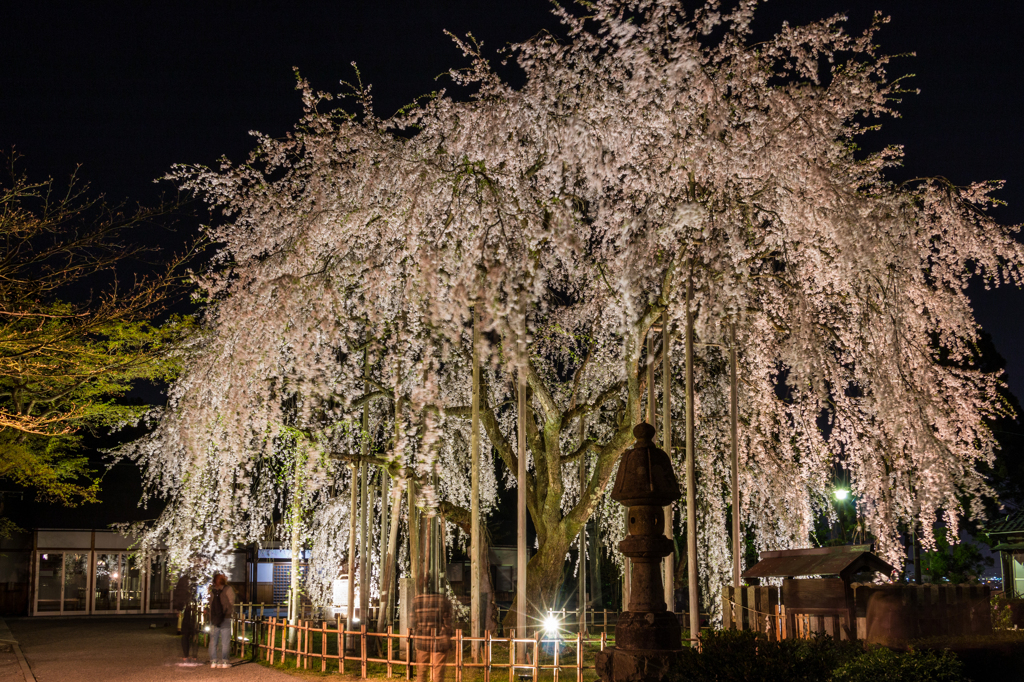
(116, 650)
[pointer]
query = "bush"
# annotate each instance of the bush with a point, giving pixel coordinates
(883, 665)
(744, 656)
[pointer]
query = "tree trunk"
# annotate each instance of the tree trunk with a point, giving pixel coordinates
(544, 574)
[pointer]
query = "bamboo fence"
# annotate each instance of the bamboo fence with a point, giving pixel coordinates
(328, 647)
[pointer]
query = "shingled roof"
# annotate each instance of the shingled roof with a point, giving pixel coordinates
(1011, 523)
(843, 561)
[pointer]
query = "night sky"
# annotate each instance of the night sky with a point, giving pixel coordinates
(128, 89)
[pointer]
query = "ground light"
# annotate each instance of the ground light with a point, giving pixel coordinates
(841, 494)
(551, 624)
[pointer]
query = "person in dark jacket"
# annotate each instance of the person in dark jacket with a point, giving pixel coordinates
(220, 608)
(185, 604)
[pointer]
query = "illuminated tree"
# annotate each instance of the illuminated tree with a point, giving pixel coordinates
(651, 150)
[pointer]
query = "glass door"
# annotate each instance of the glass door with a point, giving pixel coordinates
(108, 578)
(63, 582)
(51, 583)
(159, 585)
(1018, 575)
(118, 584)
(130, 596)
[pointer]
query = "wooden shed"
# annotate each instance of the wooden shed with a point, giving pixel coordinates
(827, 599)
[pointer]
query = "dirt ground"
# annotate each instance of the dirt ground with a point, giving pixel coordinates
(113, 650)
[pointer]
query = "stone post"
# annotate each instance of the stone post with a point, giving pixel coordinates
(648, 638)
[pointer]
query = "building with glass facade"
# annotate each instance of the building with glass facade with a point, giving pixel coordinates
(92, 572)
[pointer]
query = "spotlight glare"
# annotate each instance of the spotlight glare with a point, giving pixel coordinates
(842, 494)
(551, 624)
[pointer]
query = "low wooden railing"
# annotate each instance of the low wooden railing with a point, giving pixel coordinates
(322, 645)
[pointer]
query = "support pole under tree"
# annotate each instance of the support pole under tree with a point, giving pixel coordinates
(364, 451)
(691, 476)
(371, 505)
(581, 582)
(521, 485)
(383, 543)
(734, 435)
(390, 565)
(364, 545)
(669, 564)
(474, 494)
(626, 568)
(352, 512)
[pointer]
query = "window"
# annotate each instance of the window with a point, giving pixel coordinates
(63, 582)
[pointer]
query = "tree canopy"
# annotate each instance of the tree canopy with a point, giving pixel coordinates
(648, 150)
(67, 354)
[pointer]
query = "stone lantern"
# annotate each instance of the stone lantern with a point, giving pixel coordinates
(648, 638)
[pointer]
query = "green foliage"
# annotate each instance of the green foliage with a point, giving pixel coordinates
(884, 665)
(743, 656)
(1005, 613)
(958, 563)
(73, 339)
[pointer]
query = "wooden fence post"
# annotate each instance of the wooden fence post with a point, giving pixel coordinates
(458, 655)
(273, 638)
(309, 645)
(362, 649)
(408, 656)
(536, 655)
(579, 657)
(487, 655)
(556, 648)
(342, 641)
(388, 656)
(512, 656)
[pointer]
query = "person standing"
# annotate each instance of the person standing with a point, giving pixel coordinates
(188, 618)
(432, 621)
(221, 605)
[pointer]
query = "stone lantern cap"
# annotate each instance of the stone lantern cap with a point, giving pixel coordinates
(645, 476)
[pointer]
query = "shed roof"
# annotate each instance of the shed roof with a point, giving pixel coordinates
(1011, 523)
(843, 561)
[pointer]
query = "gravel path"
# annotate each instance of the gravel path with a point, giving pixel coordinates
(116, 650)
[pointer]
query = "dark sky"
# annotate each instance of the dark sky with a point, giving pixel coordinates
(127, 89)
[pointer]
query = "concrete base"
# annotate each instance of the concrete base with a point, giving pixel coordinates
(621, 665)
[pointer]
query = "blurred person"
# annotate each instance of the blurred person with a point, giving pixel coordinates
(432, 624)
(186, 606)
(219, 609)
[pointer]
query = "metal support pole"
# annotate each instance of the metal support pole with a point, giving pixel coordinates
(474, 454)
(734, 429)
(521, 485)
(669, 563)
(691, 477)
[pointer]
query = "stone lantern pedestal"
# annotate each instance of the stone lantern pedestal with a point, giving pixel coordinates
(648, 639)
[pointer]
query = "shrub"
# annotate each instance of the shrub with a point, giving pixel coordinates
(883, 665)
(743, 656)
